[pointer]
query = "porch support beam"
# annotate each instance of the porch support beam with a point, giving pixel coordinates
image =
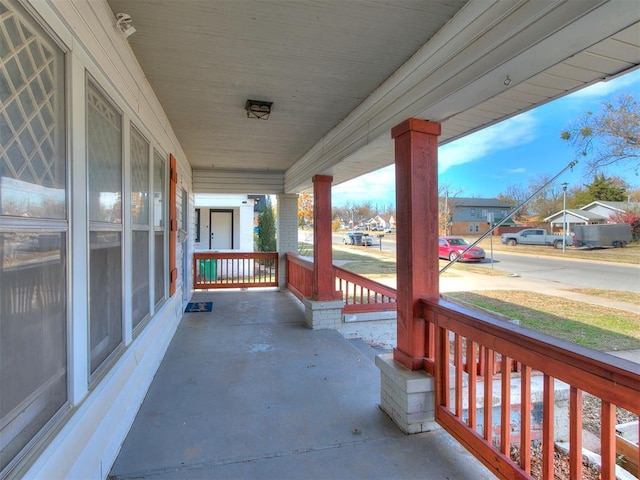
(324, 288)
(416, 160)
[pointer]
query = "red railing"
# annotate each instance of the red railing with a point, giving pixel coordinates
(481, 410)
(235, 270)
(499, 414)
(299, 276)
(361, 294)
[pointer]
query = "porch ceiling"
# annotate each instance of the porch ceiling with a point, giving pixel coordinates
(341, 73)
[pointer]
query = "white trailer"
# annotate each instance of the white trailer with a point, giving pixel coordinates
(602, 235)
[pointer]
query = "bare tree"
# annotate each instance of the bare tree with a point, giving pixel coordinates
(446, 197)
(514, 195)
(608, 137)
(548, 201)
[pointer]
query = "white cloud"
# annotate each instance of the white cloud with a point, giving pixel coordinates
(511, 133)
(379, 186)
(376, 187)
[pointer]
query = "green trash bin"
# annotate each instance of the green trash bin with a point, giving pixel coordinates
(208, 270)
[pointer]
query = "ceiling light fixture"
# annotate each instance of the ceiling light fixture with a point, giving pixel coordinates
(507, 80)
(258, 109)
(123, 23)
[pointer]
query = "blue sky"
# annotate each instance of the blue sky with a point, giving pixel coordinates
(512, 152)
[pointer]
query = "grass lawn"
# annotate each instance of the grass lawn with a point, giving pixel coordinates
(592, 326)
(630, 254)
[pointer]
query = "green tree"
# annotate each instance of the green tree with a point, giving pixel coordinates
(578, 197)
(606, 189)
(266, 241)
(608, 137)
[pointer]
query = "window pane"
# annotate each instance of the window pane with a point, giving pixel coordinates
(32, 126)
(104, 152)
(140, 264)
(159, 182)
(159, 274)
(105, 295)
(158, 190)
(33, 347)
(140, 219)
(139, 179)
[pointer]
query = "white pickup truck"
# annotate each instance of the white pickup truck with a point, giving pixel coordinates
(534, 236)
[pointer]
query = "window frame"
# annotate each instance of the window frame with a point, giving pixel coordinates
(42, 225)
(95, 374)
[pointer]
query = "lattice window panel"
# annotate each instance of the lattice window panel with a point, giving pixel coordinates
(139, 178)
(31, 96)
(104, 132)
(158, 190)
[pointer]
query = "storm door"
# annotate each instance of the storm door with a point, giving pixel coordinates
(221, 226)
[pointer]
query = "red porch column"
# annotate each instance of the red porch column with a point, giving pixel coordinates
(323, 280)
(416, 159)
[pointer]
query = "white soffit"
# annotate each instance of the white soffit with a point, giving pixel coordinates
(547, 49)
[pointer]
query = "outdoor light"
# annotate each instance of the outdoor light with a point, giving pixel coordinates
(258, 109)
(123, 23)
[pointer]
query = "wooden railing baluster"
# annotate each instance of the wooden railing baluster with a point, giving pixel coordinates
(525, 418)
(505, 407)
(235, 269)
(560, 366)
(548, 393)
(575, 433)
(608, 441)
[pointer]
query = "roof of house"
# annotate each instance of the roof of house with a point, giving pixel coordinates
(584, 214)
(587, 214)
(621, 206)
(478, 202)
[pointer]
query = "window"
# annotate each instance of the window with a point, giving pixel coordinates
(33, 232)
(159, 215)
(472, 212)
(104, 157)
(483, 214)
(140, 226)
(197, 225)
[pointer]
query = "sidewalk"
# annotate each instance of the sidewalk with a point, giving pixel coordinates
(463, 281)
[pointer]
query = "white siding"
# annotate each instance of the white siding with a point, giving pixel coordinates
(98, 420)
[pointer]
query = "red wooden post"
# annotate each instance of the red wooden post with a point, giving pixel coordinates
(416, 159)
(324, 287)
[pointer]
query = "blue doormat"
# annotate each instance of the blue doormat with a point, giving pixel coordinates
(195, 307)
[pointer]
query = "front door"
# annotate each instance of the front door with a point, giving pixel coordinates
(221, 226)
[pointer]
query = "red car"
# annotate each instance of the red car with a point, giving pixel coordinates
(452, 247)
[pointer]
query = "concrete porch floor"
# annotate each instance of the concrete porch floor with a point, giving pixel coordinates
(249, 392)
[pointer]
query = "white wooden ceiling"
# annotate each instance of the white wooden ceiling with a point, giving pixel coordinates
(342, 73)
